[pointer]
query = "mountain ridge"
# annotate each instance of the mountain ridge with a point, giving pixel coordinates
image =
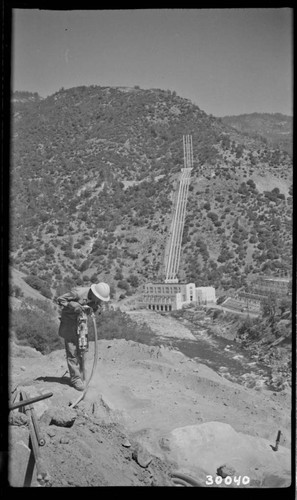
(94, 170)
(276, 129)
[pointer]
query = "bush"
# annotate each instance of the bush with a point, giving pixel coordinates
(123, 284)
(213, 216)
(117, 324)
(84, 265)
(16, 291)
(94, 278)
(40, 285)
(249, 328)
(70, 254)
(133, 280)
(251, 183)
(216, 313)
(49, 250)
(36, 329)
(221, 299)
(118, 275)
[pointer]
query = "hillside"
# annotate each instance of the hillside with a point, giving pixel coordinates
(149, 413)
(151, 407)
(94, 172)
(275, 129)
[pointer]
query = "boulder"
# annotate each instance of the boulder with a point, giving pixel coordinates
(126, 443)
(211, 445)
(62, 417)
(39, 406)
(141, 456)
(17, 418)
(18, 456)
(226, 470)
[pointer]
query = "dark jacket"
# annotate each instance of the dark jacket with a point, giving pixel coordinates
(71, 303)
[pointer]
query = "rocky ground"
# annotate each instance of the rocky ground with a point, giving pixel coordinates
(149, 415)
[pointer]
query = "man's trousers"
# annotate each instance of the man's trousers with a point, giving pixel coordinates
(73, 361)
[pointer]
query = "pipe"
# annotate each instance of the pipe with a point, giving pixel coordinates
(42, 475)
(94, 364)
(186, 478)
(40, 439)
(29, 401)
(180, 482)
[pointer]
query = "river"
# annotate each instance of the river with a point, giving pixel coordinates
(224, 356)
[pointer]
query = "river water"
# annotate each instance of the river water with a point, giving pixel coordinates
(224, 356)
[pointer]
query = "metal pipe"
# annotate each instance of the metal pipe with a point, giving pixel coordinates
(29, 401)
(42, 475)
(169, 274)
(175, 231)
(188, 153)
(40, 439)
(182, 216)
(178, 224)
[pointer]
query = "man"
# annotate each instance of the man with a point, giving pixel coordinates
(73, 303)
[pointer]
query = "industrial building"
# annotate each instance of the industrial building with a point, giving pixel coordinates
(261, 288)
(172, 296)
(268, 284)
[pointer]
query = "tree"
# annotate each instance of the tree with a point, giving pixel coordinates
(123, 284)
(118, 274)
(133, 280)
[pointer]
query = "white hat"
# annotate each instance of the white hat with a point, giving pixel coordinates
(102, 291)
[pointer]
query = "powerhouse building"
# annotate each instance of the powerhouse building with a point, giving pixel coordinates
(173, 296)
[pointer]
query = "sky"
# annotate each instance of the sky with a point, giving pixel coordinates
(227, 61)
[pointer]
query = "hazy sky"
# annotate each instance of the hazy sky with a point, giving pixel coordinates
(227, 61)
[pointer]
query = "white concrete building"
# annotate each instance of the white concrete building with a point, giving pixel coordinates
(205, 295)
(173, 296)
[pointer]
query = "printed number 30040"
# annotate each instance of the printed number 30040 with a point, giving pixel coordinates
(227, 480)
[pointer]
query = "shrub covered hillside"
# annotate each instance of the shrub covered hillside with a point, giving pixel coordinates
(93, 175)
(275, 129)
